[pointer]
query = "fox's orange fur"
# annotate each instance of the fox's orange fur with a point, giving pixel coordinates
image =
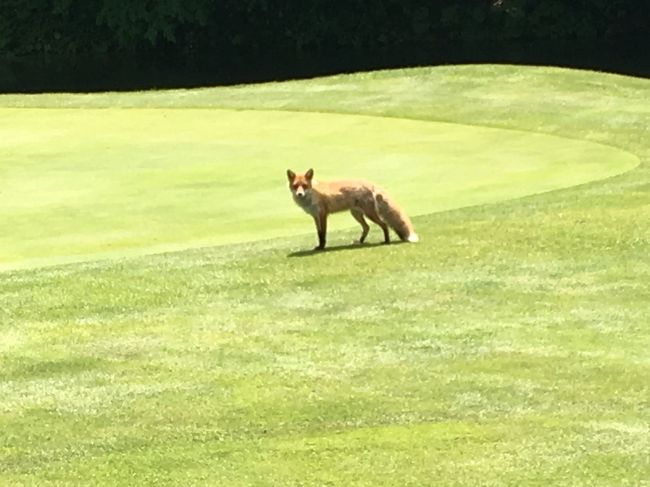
(362, 198)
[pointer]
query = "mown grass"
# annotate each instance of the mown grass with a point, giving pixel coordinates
(83, 182)
(509, 347)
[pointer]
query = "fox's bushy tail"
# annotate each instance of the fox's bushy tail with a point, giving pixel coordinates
(394, 217)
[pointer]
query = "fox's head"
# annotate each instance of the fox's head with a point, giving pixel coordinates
(300, 184)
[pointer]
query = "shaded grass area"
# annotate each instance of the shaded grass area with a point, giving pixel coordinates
(509, 347)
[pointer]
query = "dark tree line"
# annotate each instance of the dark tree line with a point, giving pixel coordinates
(159, 32)
(231, 27)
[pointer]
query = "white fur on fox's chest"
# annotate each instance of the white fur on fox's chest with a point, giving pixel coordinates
(307, 203)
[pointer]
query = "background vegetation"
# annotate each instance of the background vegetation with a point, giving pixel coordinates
(255, 27)
(262, 36)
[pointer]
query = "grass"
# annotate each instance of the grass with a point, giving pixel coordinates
(509, 347)
(116, 181)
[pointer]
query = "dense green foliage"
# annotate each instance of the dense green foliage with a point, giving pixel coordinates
(230, 29)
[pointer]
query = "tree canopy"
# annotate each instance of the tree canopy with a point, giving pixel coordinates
(261, 27)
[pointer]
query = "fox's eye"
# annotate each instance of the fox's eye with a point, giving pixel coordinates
(296, 186)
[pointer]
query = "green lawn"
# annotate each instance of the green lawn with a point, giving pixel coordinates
(81, 182)
(161, 324)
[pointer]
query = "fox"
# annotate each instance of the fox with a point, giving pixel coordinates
(362, 198)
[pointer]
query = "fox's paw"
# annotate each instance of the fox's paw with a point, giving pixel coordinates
(358, 242)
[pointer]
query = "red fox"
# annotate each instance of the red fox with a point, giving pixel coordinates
(362, 198)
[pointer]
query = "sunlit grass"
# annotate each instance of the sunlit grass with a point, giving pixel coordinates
(509, 347)
(86, 183)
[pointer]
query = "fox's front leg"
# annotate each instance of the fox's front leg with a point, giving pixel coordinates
(321, 228)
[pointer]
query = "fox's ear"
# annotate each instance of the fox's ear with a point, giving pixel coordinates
(291, 175)
(309, 174)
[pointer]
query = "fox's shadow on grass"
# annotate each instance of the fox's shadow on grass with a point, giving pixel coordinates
(339, 248)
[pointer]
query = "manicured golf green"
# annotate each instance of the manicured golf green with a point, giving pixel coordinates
(162, 321)
(82, 182)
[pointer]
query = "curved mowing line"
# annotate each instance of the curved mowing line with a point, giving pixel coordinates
(83, 184)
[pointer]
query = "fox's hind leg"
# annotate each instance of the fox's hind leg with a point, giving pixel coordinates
(358, 216)
(371, 213)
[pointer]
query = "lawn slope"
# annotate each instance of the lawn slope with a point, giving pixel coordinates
(509, 347)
